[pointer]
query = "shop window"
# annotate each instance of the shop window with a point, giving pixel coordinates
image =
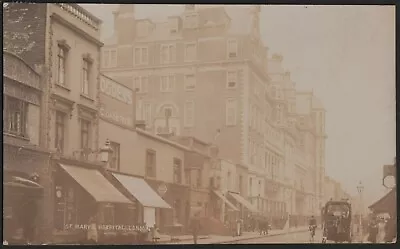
(115, 158)
(15, 116)
(60, 131)
(177, 171)
(150, 163)
(109, 214)
(177, 210)
(132, 218)
(66, 210)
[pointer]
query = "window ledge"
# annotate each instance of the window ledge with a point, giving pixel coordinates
(84, 96)
(65, 88)
(16, 136)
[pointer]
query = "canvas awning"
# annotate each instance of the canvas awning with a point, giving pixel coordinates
(387, 204)
(244, 202)
(223, 198)
(142, 192)
(95, 184)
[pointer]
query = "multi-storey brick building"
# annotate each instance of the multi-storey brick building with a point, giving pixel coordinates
(207, 70)
(194, 73)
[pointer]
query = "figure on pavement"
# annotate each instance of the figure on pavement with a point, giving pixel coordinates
(92, 233)
(195, 227)
(372, 230)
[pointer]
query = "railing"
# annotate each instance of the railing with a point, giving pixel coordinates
(81, 14)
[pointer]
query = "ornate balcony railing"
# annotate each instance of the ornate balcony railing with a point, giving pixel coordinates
(82, 14)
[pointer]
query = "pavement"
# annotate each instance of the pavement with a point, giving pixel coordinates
(218, 239)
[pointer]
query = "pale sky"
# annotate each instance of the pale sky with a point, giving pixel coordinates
(346, 54)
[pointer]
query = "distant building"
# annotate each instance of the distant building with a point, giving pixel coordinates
(206, 73)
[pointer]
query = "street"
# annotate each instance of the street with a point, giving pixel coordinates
(299, 237)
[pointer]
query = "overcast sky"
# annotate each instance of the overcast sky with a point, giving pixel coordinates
(346, 54)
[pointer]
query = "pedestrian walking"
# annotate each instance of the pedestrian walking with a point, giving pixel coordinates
(372, 230)
(381, 231)
(195, 227)
(238, 227)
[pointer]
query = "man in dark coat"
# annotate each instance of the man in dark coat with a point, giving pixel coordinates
(195, 227)
(372, 230)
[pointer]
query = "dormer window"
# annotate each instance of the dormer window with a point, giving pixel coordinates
(191, 21)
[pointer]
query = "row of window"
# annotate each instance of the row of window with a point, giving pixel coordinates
(168, 54)
(61, 133)
(151, 167)
(168, 82)
(62, 68)
(144, 112)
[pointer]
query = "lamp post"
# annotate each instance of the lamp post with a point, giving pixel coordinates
(360, 189)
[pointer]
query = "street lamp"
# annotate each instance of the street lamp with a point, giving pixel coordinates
(360, 189)
(105, 152)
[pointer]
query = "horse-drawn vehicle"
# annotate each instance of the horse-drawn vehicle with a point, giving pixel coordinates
(337, 221)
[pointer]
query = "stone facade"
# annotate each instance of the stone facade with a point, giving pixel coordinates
(35, 32)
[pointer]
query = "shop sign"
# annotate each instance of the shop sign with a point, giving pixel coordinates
(106, 227)
(162, 189)
(116, 90)
(116, 117)
(21, 93)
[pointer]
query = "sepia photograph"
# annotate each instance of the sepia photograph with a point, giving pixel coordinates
(160, 124)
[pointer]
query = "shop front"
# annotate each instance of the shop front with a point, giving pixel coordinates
(172, 220)
(20, 207)
(83, 195)
(225, 210)
(25, 193)
(149, 201)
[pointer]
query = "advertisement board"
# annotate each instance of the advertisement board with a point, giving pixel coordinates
(117, 103)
